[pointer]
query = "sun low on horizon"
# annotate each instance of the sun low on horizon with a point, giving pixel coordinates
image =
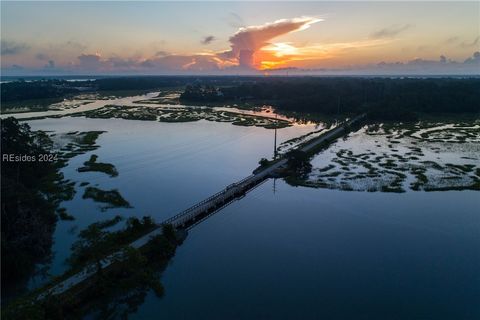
(239, 37)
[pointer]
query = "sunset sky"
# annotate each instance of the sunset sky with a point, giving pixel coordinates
(240, 37)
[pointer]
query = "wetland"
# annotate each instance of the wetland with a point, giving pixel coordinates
(411, 204)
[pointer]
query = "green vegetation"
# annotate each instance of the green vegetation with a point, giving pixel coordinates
(28, 105)
(95, 243)
(167, 96)
(184, 114)
(35, 95)
(263, 162)
(30, 192)
(295, 142)
(112, 198)
(113, 292)
(140, 83)
(299, 162)
(386, 165)
(112, 94)
(90, 137)
(63, 214)
(93, 165)
(79, 143)
(382, 98)
(197, 92)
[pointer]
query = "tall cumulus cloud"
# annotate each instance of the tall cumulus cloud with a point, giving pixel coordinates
(247, 40)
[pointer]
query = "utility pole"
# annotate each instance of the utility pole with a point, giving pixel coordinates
(275, 139)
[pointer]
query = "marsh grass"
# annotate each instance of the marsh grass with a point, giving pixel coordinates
(401, 153)
(112, 198)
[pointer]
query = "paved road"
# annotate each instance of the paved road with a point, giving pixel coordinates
(90, 270)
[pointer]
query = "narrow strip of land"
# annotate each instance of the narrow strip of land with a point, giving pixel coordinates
(211, 204)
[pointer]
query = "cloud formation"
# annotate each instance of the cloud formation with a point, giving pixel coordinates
(74, 45)
(252, 50)
(50, 65)
(452, 40)
(207, 40)
(168, 63)
(161, 53)
(474, 59)
(41, 56)
(442, 66)
(12, 47)
(248, 40)
(390, 31)
(475, 43)
(90, 61)
(17, 67)
(183, 63)
(417, 66)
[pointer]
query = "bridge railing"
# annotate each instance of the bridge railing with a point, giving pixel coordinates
(251, 178)
(188, 211)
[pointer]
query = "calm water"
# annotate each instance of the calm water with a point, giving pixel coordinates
(296, 253)
(91, 105)
(163, 168)
(304, 253)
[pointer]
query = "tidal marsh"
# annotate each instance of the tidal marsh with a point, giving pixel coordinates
(398, 157)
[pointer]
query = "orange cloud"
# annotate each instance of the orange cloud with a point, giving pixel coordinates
(249, 40)
(282, 54)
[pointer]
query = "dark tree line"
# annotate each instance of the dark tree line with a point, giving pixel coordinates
(138, 83)
(197, 92)
(382, 98)
(40, 89)
(28, 217)
(53, 88)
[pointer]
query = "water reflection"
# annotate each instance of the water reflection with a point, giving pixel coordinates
(303, 253)
(163, 167)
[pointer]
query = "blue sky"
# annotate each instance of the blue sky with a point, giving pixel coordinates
(196, 37)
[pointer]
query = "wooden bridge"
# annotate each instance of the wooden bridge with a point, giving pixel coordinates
(190, 216)
(203, 209)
